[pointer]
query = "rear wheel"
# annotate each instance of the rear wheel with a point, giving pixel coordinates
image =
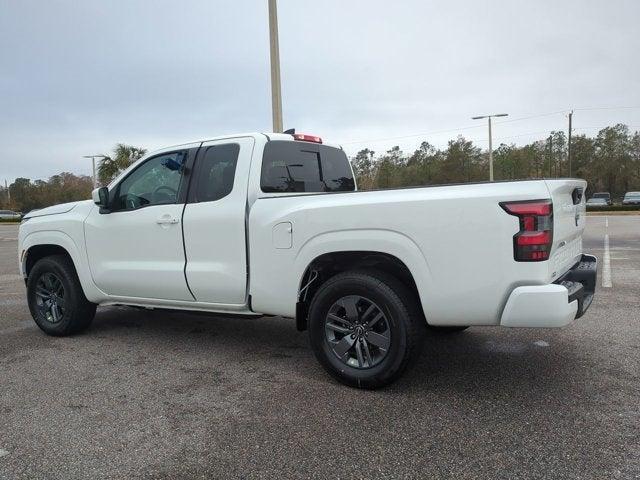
(365, 328)
(56, 300)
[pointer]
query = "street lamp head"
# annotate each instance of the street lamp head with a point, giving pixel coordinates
(490, 116)
(490, 143)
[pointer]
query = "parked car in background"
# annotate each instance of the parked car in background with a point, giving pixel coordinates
(10, 215)
(605, 195)
(597, 202)
(631, 198)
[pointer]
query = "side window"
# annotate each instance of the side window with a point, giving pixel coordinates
(215, 172)
(155, 182)
(301, 167)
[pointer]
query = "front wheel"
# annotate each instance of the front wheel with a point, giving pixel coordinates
(56, 300)
(365, 328)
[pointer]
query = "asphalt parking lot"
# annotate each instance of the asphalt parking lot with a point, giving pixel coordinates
(170, 395)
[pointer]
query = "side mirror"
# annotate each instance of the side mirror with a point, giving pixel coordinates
(101, 198)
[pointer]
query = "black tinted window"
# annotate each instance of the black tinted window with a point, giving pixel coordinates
(304, 167)
(336, 171)
(215, 172)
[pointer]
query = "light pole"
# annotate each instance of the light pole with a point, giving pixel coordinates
(490, 140)
(93, 161)
(274, 50)
(569, 142)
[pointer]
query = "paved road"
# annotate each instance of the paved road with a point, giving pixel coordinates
(171, 395)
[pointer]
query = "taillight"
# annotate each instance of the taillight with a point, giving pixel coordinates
(533, 242)
(307, 138)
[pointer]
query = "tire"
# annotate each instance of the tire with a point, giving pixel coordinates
(399, 329)
(442, 329)
(56, 300)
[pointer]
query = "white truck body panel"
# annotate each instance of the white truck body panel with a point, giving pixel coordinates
(569, 222)
(541, 306)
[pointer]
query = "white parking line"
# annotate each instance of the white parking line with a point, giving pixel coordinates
(606, 264)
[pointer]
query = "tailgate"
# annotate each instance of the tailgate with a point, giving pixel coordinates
(569, 219)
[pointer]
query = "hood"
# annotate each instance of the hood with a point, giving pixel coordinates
(55, 209)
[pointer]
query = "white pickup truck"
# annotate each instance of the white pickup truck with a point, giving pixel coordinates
(272, 224)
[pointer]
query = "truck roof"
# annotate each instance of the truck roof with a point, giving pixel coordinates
(270, 136)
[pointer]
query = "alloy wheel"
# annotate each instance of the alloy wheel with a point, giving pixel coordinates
(357, 332)
(50, 297)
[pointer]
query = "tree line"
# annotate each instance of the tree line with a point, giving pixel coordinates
(610, 162)
(24, 195)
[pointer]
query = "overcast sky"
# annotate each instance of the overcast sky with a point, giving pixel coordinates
(78, 76)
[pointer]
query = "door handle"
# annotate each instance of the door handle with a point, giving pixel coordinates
(167, 220)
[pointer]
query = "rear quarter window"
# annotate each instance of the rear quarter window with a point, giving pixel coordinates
(215, 172)
(304, 167)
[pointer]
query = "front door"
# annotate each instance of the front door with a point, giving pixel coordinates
(136, 249)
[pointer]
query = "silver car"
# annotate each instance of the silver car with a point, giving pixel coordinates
(594, 202)
(631, 198)
(9, 215)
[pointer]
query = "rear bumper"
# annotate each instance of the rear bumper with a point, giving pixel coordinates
(556, 304)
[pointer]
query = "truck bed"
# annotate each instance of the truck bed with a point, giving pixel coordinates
(455, 239)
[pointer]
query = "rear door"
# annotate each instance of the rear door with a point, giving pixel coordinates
(569, 219)
(214, 222)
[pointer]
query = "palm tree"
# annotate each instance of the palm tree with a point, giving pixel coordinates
(123, 156)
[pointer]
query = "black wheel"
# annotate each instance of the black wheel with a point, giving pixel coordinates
(365, 328)
(442, 329)
(56, 300)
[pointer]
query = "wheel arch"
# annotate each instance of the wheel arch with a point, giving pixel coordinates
(40, 251)
(290, 267)
(38, 245)
(328, 264)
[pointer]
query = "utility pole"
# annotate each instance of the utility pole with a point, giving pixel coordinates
(276, 93)
(550, 156)
(93, 161)
(569, 145)
(8, 191)
(490, 139)
(490, 153)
